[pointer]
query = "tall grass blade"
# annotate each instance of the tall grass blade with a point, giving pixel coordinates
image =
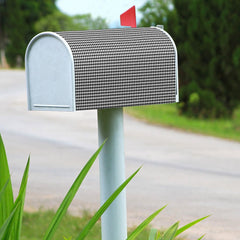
(5, 228)
(144, 224)
(170, 233)
(1, 197)
(70, 195)
(6, 203)
(3, 189)
(17, 221)
(184, 228)
(103, 208)
(201, 237)
(153, 234)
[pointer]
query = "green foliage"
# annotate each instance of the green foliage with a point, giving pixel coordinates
(85, 22)
(2, 24)
(5, 229)
(154, 234)
(172, 232)
(168, 115)
(19, 203)
(36, 223)
(207, 38)
(11, 218)
(58, 21)
(20, 20)
(70, 195)
(201, 103)
(154, 13)
(14, 28)
(55, 22)
(194, 98)
(12, 212)
(143, 225)
(20, 17)
(159, 12)
(209, 54)
(6, 200)
(187, 226)
(103, 208)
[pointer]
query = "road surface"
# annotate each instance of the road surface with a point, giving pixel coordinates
(195, 175)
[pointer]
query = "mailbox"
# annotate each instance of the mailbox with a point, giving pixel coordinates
(96, 69)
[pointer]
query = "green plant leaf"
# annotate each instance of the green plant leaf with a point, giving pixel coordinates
(170, 233)
(153, 234)
(6, 203)
(144, 224)
(158, 235)
(1, 197)
(67, 238)
(6, 226)
(187, 226)
(201, 237)
(103, 208)
(3, 189)
(70, 195)
(17, 221)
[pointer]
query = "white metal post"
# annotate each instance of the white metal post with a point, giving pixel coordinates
(112, 172)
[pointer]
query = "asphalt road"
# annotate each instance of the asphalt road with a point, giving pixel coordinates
(195, 175)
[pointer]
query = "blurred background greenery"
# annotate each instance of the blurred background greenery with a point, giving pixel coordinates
(20, 20)
(206, 33)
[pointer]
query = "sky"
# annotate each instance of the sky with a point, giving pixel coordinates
(108, 9)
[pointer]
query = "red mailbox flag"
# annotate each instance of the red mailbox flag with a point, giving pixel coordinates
(128, 18)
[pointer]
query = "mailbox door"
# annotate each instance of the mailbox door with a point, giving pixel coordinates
(50, 74)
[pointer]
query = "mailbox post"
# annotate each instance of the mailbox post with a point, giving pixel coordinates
(104, 70)
(112, 172)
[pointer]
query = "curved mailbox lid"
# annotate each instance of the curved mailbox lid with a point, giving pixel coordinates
(123, 67)
(96, 69)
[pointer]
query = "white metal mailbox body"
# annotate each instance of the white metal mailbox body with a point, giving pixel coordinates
(96, 69)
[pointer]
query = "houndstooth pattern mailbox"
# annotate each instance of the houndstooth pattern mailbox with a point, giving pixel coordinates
(96, 69)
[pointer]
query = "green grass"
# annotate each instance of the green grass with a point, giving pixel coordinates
(35, 225)
(167, 115)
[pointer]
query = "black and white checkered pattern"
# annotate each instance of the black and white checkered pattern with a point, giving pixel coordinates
(122, 67)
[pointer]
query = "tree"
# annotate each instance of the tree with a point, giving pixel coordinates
(209, 57)
(14, 33)
(20, 20)
(86, 21)
(157, 12)
(55, 22)
(58, 21)
(207, 36)
(18, 25)
(2, 32)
